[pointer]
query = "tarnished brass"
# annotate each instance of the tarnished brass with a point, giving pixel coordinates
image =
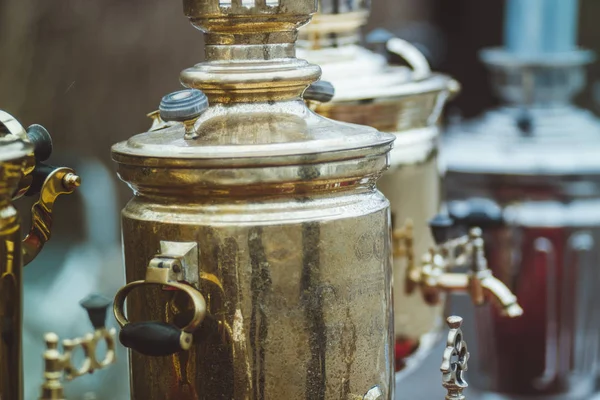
(434, 277)
(21, 172)
(454, 361)
(268, 212)
(406, 101)
(60, 365)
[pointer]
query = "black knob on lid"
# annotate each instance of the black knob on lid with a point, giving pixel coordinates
(320, 91)
(41, 140)
(441, 228)
(476, 212)
(96, 306)
(183, 105)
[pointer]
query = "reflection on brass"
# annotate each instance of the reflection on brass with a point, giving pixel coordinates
(22, 152)
(59, 365)
(454, 361)
(434, 277)
(272, 216)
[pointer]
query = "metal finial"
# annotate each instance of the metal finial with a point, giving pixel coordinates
(454, 361)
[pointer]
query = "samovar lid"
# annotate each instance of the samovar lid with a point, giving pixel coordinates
(565, 141)
(331, 41)
(254, 84)
(538, 132)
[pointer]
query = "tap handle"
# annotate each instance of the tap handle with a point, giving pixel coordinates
(441, 228)
(154, 338)
(320, 91)
(476, 212)
(41, 140)
(96, 307)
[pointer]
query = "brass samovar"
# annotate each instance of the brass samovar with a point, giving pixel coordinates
(406, 101)
(257, 242)
(22, 172)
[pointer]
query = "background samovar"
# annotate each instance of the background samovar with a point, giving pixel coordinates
(257, 241)
(408, 102)
(528, 174)
(22, 172)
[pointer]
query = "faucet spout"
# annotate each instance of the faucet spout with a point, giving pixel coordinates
(497, 293)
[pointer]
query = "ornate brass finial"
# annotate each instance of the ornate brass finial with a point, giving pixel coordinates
(454, 361)
(250, 50)
(59, 365)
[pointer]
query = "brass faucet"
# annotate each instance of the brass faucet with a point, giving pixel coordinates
(434, 277)
(59, 365)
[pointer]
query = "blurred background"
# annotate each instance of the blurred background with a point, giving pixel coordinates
(90, 71)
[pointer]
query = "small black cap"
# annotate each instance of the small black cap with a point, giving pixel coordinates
(320, 91)
(41, 140)
(96, 306)
(441, 226)
(183, 105)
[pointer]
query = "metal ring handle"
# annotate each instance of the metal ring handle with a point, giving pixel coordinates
(415, 59)
(195, 296)
(157, 339)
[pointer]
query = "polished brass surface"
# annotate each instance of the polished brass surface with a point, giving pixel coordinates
(454, 361)
(60, 365)
(291, 236)
(17, 166)
(434, 278)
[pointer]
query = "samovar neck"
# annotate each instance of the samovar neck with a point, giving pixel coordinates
(250, 50)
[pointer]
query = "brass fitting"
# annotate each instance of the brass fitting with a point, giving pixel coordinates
(434, 278)
(59, 365)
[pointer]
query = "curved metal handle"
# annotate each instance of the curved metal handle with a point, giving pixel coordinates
(59, 181)
(415, 59)
(153, 338)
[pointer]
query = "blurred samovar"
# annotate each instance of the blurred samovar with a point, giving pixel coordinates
(22, 172)
(257, 243)
(528, 174)
(405, 101)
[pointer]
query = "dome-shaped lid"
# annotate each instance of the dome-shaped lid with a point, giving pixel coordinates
(509, 141)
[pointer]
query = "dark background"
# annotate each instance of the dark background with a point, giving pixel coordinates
(91, 70)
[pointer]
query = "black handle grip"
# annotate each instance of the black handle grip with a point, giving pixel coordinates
(152, 338)
(441, 227)
(96, 307)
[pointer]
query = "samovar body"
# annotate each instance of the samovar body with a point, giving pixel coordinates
(266, 216)
(297, 291)
(15, 154)
(528, 174)
(22, 172)
(406, 102)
